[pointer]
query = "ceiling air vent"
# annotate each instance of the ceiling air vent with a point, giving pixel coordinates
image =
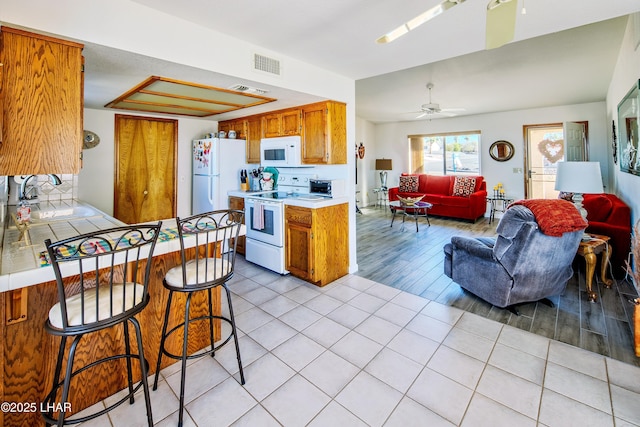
(266, 64)
(248, 89)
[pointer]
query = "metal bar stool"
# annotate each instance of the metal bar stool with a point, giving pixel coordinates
(112, 271)
(208, 251)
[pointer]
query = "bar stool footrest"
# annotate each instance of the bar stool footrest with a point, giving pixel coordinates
(49, 400)
(203, 353)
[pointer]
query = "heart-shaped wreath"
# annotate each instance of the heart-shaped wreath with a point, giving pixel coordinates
(552, 150)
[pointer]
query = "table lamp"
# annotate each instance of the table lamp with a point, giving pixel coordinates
(579, 178)
(383, 165)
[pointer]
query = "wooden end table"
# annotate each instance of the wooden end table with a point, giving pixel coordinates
(589, 249)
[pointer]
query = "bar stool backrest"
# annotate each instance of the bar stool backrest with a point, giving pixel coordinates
(112, 268)
(208, 248)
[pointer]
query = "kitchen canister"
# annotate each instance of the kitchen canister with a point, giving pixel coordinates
(232, 134)
(222, 134)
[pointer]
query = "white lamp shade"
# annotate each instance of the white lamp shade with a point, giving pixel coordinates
(579, 177)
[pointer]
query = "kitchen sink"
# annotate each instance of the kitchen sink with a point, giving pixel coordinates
(62, 214)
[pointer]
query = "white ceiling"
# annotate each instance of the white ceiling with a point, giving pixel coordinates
(544, 66)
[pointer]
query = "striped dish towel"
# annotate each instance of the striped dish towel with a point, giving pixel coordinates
(258, 215)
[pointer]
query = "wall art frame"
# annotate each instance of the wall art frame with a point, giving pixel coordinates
(628, 121)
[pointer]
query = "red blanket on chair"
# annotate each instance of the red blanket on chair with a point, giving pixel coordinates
(554, 216)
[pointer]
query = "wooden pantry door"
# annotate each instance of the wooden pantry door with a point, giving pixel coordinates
(145, 169)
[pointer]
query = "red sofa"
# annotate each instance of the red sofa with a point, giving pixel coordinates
(609, 215)
(438, 190)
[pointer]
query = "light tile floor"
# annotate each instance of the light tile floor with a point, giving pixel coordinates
(358, 353)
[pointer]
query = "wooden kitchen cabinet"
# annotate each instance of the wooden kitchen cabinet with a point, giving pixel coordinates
(237, 203)
(324, 133)
(271, 125)
(239, 126)
(282, 123)
(41, 104)
(321, 126)
(254, 135)
(317, 242)
(225, 126)
(249, 129)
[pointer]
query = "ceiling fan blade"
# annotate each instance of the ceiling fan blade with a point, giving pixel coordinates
(418, 20)
(501, 22)
(421, 115)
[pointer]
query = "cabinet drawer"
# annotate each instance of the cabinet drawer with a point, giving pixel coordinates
(298, 215)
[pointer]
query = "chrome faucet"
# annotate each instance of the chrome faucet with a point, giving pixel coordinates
(55, 180)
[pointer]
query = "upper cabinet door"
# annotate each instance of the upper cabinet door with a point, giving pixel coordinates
(281, 123)
(271, 125)
(324, 134)
(41, 103)
(290, 122)
(254, 135)
(315, 144)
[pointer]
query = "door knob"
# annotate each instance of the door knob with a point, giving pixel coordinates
(145, 192)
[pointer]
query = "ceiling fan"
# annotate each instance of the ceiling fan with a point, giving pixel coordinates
(432, 108)
(501, 21)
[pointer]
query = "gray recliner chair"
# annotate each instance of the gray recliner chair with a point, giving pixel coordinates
(520, 265)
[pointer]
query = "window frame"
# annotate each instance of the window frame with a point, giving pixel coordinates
(419, 167)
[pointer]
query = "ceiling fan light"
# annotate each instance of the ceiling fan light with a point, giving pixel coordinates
(424, 17)
(418, 20)
(393, 34)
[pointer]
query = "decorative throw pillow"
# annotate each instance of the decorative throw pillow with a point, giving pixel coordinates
(464, 186)
(408, 184)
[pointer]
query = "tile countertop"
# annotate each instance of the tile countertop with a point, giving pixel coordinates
(21, 263)
(301, 201)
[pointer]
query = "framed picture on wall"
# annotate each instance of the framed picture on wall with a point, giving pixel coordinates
(628, 115)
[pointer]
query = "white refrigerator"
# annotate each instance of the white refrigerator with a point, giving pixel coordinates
(216, 171)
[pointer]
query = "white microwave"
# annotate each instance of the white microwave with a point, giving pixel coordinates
(284, 151)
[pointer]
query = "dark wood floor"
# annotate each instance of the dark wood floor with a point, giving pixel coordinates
(413, 261)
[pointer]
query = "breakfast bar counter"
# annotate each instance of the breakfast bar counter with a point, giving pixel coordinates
(29, 352)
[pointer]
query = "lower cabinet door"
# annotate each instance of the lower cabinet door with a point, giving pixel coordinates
(299, 250)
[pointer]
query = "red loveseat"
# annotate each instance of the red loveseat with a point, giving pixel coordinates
(609, 215)
(438, 190)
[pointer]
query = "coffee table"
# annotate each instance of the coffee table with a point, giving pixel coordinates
(589, 249)
(417, 210)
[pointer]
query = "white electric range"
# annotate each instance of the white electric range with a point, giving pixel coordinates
(264, 218)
